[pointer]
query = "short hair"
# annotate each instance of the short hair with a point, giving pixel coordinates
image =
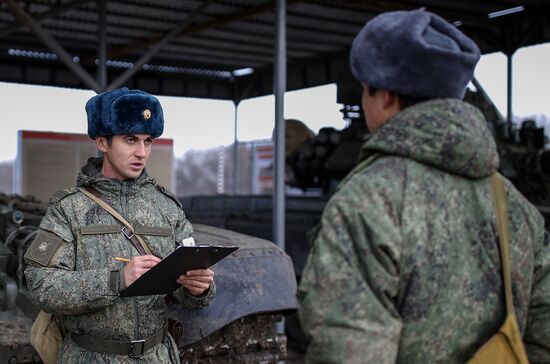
(109, 139)
(404, 101)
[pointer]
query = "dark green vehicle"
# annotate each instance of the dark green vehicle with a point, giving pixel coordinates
(255, 288)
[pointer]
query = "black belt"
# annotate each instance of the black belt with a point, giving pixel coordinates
(134, 348)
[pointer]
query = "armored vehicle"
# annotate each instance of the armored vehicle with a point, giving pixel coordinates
(19, 218)
(255, 288)
(324, 159)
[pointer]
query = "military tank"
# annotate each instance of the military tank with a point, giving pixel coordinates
(19, 219)
(525, 161)
(255, 289)
(326, 158)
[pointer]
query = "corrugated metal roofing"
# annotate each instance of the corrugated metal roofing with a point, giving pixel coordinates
(229, 35)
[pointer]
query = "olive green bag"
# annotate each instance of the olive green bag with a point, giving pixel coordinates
(506, 346)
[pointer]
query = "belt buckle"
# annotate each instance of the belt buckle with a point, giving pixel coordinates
(132, 353)
(129, 235)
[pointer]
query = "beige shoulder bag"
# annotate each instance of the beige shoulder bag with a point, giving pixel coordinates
(506, 346)
(46, 337)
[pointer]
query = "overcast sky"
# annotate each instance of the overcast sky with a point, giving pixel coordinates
(200, 123)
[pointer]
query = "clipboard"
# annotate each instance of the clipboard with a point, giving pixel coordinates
(161, 279)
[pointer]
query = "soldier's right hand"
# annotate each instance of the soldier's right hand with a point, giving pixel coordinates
(137, 266)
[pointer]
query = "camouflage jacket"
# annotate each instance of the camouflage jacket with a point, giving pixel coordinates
(72, 271)
(405, 266)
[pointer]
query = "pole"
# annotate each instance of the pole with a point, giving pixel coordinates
(509, 114)
(235, 150)
(102, 46)
(279, 85)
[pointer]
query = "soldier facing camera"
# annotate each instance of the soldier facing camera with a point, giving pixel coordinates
(84, 255)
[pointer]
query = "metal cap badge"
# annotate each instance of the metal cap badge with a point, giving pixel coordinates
(147, 114)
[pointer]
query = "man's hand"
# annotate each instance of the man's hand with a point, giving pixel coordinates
(137, 266)
(197, 281)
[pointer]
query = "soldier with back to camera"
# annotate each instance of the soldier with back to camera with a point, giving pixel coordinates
(405, 265)
(72, 271)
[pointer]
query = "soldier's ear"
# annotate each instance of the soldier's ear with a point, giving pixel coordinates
(101, 143)
(390, 103)
(390, 100)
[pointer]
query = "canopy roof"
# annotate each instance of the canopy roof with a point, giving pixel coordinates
(222, 49)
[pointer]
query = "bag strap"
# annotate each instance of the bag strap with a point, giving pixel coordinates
(499, 200)
(135, 239)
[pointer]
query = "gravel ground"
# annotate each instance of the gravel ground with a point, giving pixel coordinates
(15, 327)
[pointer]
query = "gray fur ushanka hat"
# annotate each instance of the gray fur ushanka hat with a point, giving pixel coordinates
(414, 53)
(122, 111)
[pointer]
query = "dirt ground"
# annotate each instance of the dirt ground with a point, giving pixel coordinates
(14, 328)
(294, 357)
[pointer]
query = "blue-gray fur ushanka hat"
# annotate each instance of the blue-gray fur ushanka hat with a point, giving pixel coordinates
(122, 111)
(414, 53)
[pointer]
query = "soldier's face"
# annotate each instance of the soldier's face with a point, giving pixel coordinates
(126, 156)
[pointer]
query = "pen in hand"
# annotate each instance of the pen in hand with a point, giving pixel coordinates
(137, 266)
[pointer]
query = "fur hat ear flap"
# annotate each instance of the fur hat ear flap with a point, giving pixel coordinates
(123, 111)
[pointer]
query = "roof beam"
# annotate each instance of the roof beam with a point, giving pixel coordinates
(376, 7)
(534, 27)
(267, 6)
(44, 15)
(63, 55)
(157, 47)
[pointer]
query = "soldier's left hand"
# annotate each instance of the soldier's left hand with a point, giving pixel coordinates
(197, 281)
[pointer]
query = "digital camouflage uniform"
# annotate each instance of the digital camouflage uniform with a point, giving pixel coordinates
(72, 271)
(405, 267)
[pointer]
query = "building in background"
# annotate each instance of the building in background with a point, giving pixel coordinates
(48, 162)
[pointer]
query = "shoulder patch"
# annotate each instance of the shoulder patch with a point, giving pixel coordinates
(59, 195)
(169, 194)
(43, 248)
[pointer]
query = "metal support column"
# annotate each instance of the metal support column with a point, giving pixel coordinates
(235, 150)
(279, 84)
(509, 89)
(102, 46)
(279, 88)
